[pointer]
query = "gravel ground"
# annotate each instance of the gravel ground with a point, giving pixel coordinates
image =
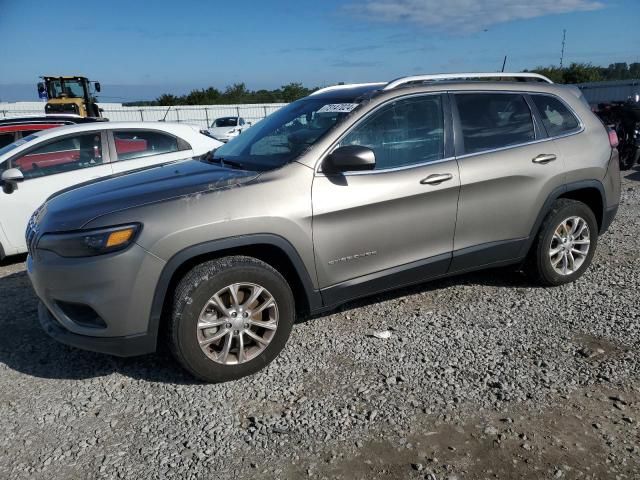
(484, 376)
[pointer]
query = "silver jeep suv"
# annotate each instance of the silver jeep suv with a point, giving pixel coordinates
(353, 190)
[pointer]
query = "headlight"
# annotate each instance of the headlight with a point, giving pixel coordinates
(88, 243)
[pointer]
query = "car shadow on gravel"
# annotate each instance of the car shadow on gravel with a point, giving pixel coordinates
(633, 174)
(506, 277)
(25, 348)
(13, 260)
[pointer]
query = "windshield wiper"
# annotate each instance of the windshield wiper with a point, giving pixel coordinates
(208, 157)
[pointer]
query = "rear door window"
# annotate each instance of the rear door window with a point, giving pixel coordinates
(494, 120)
(556, 117)
(132, 144)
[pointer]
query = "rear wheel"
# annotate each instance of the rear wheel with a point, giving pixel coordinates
(565, 244)
(231, 317)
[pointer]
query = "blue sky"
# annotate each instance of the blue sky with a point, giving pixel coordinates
(140, 49)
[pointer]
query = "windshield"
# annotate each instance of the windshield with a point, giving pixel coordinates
(285, 134)
(71, 88)
(225, 122)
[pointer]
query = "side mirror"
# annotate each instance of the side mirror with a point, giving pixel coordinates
(40, 87)
(97, 86)
(349, 158)
(10, 179)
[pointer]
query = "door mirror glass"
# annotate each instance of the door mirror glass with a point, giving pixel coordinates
(40, 87)
(97, 87)
(350, 158)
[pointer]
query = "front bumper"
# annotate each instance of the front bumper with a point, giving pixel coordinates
(118, 287)
(119, 346)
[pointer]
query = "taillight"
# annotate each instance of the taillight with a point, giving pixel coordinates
(613, 138)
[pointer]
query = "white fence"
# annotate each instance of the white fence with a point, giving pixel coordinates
(202, 115)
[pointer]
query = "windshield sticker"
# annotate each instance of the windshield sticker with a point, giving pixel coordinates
(338, 108)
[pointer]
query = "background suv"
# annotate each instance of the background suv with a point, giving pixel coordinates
(353, 190)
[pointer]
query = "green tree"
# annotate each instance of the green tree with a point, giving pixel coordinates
(555, 74)
(586, 72)
(167, 99)
(293, 91)
(239, 93)
(236, 93)
(581, 73)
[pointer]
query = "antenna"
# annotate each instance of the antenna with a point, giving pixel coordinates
(564, 37)
(504, 63)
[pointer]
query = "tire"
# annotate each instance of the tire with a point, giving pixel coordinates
(194, 306)
(540, 262)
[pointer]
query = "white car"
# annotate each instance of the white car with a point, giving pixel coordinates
(226, 128)
(38, 165)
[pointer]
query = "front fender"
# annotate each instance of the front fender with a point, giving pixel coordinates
(181, 258)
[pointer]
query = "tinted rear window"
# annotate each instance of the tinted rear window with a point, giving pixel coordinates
(6, 139)
(556, 117)
(494, 120)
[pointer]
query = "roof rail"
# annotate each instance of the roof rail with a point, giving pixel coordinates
(456, 76)
(348, 85)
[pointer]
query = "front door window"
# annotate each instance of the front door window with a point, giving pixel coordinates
(64, 155)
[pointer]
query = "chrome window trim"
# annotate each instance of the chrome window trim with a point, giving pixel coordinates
(580, 129)
(388, 170)
(509, 147)
(318, 164)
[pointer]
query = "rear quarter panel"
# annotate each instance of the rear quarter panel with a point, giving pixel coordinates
(586, 154)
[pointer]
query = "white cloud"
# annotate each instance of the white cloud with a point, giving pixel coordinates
(466, 15)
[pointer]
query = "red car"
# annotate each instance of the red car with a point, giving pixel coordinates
(12, 129)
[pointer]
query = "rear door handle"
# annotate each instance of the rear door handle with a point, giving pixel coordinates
(544, 158)
(436, 179)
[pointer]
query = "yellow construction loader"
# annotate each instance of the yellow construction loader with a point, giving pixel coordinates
(69, 95)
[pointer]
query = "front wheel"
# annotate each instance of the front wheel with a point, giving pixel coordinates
(230, 318)
(565, 244)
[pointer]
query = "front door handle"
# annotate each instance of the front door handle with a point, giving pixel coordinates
(544, 158)
(436, 179)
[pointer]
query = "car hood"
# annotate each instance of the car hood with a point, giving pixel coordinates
(221, 130)
(73, 208)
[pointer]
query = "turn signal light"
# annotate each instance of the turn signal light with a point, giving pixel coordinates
(119, 237)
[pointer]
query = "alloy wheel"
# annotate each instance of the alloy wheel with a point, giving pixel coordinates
(570, 245)
(237, 323)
